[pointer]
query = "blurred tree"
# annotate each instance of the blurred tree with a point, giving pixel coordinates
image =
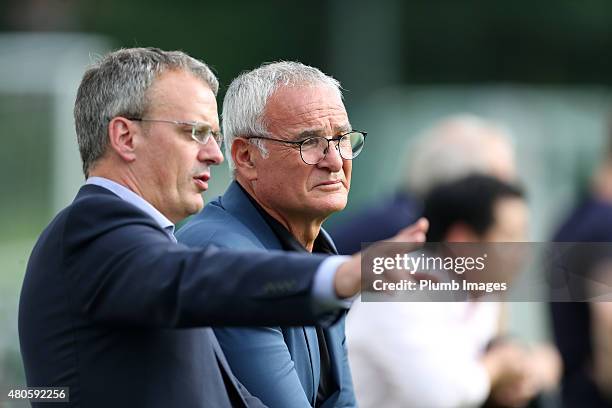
(436, 41)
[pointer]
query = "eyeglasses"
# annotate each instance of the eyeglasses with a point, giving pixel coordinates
(314, 149)
(200, 132)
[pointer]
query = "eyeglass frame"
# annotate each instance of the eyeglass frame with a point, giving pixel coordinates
(299, 143)
(217, 136)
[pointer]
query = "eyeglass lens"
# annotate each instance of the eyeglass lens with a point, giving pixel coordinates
(314, 149)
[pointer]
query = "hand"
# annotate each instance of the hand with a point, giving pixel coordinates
(347, 281)
(512, 381)
(545, 366)
(518, 374)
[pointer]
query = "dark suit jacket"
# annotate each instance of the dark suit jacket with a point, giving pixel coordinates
(572, 321)
(279, 365)
(115, 310)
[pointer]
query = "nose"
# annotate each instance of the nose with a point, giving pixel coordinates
(210, 153)
(332, 160)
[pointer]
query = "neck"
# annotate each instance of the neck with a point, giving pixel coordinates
(304, 230)
(126, 177)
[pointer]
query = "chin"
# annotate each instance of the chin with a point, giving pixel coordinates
(334, 206)
(196, 207)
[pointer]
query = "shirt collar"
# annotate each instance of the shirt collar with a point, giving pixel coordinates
(128, 195)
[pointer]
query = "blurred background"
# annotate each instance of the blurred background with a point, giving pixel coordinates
(544, 69)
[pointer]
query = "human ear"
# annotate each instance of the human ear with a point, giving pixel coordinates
(121, 135)
(243, 157)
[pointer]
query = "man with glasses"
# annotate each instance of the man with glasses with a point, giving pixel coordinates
(111, 306)
(291, 147)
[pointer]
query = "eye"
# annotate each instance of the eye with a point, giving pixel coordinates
(201, 133)
(313, 143)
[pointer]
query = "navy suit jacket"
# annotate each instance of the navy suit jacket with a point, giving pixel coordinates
(572, 321)
(279, 365)
(114, 309)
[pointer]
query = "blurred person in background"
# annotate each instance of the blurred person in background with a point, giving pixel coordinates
(111, 306)
(583, 330)
(451, 354)
(453, 147)
(291, 147)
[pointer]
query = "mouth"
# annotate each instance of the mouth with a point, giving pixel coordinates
(330, 185)
(201, 181)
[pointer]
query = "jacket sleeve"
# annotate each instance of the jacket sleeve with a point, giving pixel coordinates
(123, 269)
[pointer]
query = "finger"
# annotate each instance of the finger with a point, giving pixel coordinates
(415, 236)
(415, 232)
(421, 225)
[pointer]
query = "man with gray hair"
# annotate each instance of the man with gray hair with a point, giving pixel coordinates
(111, 306)
(291, 147)
(454, 147)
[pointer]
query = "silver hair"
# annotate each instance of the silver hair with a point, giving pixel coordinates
(454, 147)
(117, 85)
(246, 98)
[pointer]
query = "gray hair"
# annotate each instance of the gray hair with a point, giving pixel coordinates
(246, 98)
(455, 147)
(117, 85)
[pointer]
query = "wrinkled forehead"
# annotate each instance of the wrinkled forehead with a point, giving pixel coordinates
(311, 110)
